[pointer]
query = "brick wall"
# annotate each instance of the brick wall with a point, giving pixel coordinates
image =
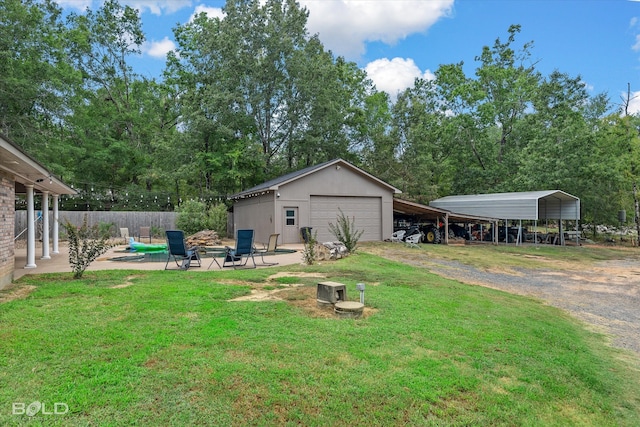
(7, 218)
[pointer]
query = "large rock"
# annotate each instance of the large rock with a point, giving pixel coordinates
(204, 238)
(331, 250)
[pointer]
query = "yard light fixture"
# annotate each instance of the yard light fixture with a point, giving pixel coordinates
(360, 287)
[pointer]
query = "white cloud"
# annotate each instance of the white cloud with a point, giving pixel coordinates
(636, 46)
(394, 76)
(345, 26)
(211, 12)
(80, 5)
(156, 7)
(159, 49)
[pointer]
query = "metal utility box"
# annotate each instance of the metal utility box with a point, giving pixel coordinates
(331, 292)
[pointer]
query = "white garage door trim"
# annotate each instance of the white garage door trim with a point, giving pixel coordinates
(366, 210)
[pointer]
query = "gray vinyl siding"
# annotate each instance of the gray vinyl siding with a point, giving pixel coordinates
(365, 212)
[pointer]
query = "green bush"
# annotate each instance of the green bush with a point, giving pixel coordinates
(157, 231)
(345, 231)
(107, 228)
(194, 216)
(218, 218)
(85, 244)
(309, 254)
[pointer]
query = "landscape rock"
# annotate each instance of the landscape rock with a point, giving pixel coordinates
(331, 251)
(204, 238)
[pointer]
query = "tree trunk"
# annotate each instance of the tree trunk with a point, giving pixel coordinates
(636, 206)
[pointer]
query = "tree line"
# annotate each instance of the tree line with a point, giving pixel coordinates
(253, 95)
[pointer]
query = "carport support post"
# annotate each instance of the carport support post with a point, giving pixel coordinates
(519, 238)
(577, 227)
(560, 228)
(446, 229)
(506, 231)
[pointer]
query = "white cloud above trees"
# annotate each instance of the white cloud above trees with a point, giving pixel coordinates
(346, 26)
(395, 75)
(159, 49)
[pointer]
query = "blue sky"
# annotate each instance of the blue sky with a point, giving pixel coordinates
(398, 40)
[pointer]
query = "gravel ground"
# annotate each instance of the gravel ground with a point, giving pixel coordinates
(606, 296)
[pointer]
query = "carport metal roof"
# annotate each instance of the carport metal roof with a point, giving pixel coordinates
(406, 207)
(531, 205)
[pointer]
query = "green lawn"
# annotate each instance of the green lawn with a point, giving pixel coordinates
(168, 348)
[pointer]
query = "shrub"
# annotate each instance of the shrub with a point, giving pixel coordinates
(85, 245)
(218, 218)
(309, 252)
(108, 228)
(194, 216)
(345, 231)
(157, 231)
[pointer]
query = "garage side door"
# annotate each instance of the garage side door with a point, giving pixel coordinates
(367, 212)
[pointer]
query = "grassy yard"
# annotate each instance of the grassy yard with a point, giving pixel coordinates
(169, 348)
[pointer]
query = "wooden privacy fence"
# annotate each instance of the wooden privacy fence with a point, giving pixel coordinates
(158, 221)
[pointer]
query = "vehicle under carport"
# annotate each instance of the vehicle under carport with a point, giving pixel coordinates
(416, 213)
(548, 205)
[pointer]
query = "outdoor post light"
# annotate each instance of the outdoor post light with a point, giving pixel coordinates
(360, 287)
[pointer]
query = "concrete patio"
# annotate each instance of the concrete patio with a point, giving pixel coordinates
(59, 263)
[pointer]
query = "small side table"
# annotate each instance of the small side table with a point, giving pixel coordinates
(215, 253)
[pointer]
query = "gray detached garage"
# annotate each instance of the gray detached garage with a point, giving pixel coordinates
(313, 197)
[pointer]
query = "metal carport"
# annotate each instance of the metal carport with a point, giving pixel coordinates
(418, 210)
(527, 205)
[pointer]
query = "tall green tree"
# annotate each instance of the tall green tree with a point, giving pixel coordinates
(487, 110)
(117, 114)
(35, 75)
(421, 134)
(261, 97)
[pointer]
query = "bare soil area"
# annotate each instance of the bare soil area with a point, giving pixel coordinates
(300, 295)
(606, 295)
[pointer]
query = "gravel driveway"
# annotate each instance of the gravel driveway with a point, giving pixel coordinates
(605, 296)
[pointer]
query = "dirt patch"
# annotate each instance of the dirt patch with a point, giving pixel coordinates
(306, 299)
(17, 292)
(262, 294)
(126, 284)
(296, 274)
(296, 294)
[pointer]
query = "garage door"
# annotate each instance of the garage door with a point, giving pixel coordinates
(366, 210)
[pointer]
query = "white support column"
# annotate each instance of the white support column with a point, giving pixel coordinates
(45, 225)
(55, 224)
(31, 230)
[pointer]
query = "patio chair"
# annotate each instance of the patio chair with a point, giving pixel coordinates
(145, 233)
(270, 249)
(244, 250)
(124, 233)
(184, 257)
